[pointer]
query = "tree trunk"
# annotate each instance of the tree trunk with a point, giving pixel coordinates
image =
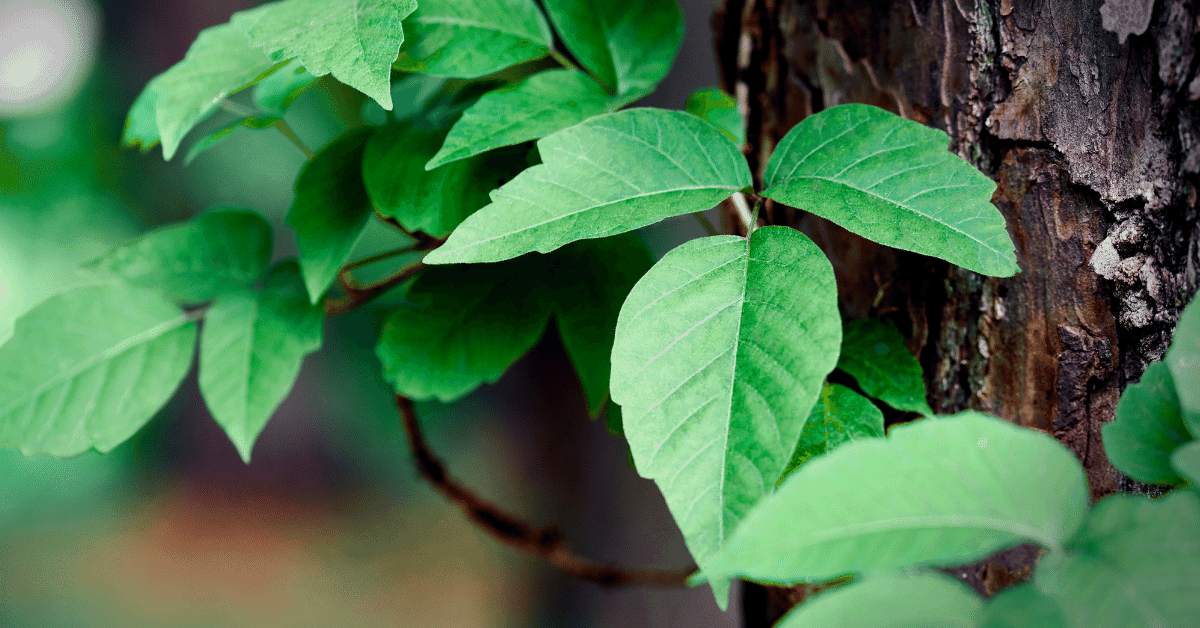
(1093, 138)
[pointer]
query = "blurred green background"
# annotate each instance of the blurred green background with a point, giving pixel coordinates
(329, 526)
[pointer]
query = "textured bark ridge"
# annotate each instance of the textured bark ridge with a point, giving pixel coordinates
(1094, 143)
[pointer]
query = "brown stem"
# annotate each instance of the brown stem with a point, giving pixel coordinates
(358, 296)
(545, 542)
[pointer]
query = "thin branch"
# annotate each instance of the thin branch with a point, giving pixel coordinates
(358, 296)
(291, 135)
(743, 211)
(545, 542)
(704, 222)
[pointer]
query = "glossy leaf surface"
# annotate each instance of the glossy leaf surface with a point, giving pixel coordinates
(250, 353)
(629, 46)
(720, 110)
(1183, 358)
(935, 492)
(1147, 428)
(719, 356)
(610, 174)
(892, 180)
(331, 209)
(885, 600)
(196, 260)
(874, 354)
(1135, 562)
(534, 108)
(87, 369)
(839, 416)
(460, 39)
(354, 40)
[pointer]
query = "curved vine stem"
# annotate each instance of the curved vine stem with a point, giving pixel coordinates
(358, 296)
(545, 542)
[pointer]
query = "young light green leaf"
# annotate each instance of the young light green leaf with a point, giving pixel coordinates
(87, 369)
(873, 353)
(719, 356)
(141, 127)
(610, 174)
(1147, 428)
(1136, 562)
(598, 277)
(887, 600)
(250, 353)
(720, 110)
(839, 416)
(1021, 606)
(1183, 358)
(466, 326)
(275, 93)
(219, 63)
(629, 46)
(434, 201)
(1186, 461)
(536, 107)
(460, 39)
(354, 40)
(943, 492)
(194, 261)
(331, 209)
(892, 180)
(221, 134)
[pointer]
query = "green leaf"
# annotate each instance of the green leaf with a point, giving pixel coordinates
(945, 492)
(892, 180)
(536, 107)
(224, 132)
(1186, 461)
(87, 369)
(1021, 606)
(466, 326)
(460, 39)
(275, 93)
(354, 40)
(599, 275)
(720, 110)
(194, 261)
(1136, 562)
(874, 354)
(250, 354)
(607, 175)
(1147, 428)
(331, 209)
(141, 127)
(1183, 358)
(719, 356)
(431, 201)
(629, 46)
(219, 63)
(886, 600)
(839, 416)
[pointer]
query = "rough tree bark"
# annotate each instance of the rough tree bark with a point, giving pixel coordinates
(1093, 138)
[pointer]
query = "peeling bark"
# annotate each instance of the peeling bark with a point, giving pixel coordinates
(1093, 138)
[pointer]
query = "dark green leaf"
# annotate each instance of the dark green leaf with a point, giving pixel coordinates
(354, 40)
(610, 174)
(935, 492)
(874, 354)
(1183, 358)
(1147, 428)
(433, 201)
(331, 209)
(224, 132)
(1135, 562)
(719, 357)
(885, 600)
(599, 275)
(892, 180)
(839, 416)
(1186, 461)
(197, 260)
(536, 107)
(720, 110)
(1022, 606)
(88, 368)
(275, 93)
(470, 39)
(250, 354)
(629, 46)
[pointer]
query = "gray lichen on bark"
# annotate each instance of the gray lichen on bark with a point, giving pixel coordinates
(1127, 17)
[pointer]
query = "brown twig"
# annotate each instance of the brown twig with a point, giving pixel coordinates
(545, 542)
(358, 296)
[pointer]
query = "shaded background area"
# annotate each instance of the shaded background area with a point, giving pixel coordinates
(329, 526)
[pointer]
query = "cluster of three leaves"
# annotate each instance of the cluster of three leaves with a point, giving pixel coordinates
(88, 368)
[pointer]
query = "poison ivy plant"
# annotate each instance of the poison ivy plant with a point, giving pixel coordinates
(930, 600)
(720, 110)
(1183, 359)
(470, 39)
(873, 353)
(839, 416)
(1147, 429)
